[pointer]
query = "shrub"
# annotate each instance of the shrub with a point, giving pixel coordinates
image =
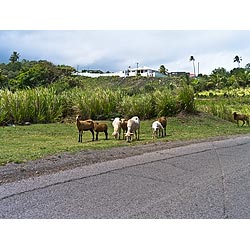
(185, 97)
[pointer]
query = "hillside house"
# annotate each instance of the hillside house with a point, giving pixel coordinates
(142, 71)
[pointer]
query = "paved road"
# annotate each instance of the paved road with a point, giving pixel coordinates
(204, 180)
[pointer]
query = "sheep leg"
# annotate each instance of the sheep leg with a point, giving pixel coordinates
(96, 137)
(119, 132)
(106, 134)
(93, 135)
(243, 123)
(80, 137)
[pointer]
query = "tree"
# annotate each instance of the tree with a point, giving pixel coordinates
(238, 59)
(163, 70)
(42, 73)
(191, 59)
(247, 67)
(14, 57)
(218, 78)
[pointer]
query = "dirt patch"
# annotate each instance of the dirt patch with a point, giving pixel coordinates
(14, 172)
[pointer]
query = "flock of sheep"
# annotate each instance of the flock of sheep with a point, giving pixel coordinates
(131, 128)
(128, 128)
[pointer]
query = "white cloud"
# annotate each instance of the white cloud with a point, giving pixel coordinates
(116, 50)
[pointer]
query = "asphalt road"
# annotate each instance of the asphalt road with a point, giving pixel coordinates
(204, 180)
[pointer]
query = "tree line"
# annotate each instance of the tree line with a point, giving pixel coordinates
(29, 74)
(22, 74)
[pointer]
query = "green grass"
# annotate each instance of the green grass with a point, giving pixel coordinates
(23, 143)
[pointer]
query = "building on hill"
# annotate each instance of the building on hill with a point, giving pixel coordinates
(141, 71)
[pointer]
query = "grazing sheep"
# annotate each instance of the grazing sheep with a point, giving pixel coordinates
(241, 117)
(119, 124)
(101, 127)
(117, 127)
(133, 126)
(157, 129)
(84, 126)
(124, 127)
(163, 121)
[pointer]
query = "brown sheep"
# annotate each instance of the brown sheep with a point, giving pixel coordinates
(163, 121)
(124, 127)
(84, 126)
(101, 127)
(241, 117)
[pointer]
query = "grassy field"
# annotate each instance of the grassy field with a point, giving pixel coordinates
(23, 143)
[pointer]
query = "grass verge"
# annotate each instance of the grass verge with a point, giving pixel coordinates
(23, 143)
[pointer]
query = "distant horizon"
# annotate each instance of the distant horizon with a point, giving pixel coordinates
(109, 50)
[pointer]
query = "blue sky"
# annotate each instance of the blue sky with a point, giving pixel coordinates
(115, 50)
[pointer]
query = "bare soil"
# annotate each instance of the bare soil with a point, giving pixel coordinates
(14, 172)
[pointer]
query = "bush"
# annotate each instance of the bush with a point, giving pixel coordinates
(185, 97)
(165, 103)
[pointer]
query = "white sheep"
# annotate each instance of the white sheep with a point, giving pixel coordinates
(117, 127)
(119, 124)
(133, 126)
(157, 129)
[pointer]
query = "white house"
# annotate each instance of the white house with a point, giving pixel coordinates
(142, 71)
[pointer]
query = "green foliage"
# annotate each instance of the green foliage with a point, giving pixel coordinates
(224, 102)
(186, 98)
(48, 105)
(220, 79)
(165, 103)
(33, 105)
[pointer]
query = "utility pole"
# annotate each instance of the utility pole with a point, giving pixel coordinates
(198, 68)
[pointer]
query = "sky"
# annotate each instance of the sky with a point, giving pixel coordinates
(115, 50)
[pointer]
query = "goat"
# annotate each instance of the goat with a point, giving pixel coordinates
(119, 124)
(241, 117)
(117, 127)
(133, 126)
(101, 127)
(163, 121)
(84, 126)
(124, 126)
(157, 129)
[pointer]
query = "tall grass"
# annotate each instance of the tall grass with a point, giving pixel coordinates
(224, 107)
(34, 105)
(43, 105)
(142, 105)
(165, 102)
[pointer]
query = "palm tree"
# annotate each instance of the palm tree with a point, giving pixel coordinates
(238, 59)
(191, 59)
(163, 70)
